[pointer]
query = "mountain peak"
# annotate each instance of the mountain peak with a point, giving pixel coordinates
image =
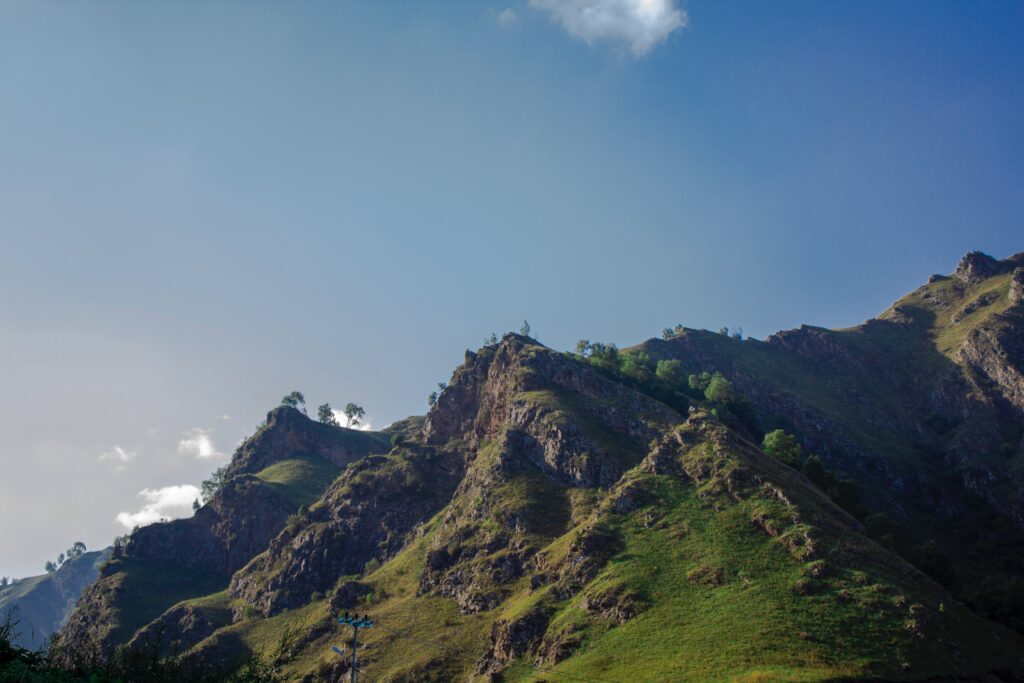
(976, 266)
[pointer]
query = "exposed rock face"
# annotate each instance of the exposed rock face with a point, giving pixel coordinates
(544, 502)
(996, 351)
(510, 639)
(489, 399)
(499, 405)
(976, 266)
(367, 514)
(223, 535)
(246, 514)
(815, 343)
(226, 533)
(1017, 286)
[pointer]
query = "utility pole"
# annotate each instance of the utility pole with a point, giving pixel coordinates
(356, 622)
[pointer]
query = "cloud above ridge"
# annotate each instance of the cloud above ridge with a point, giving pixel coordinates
(119, 455)
(639, 24)
(197, 443)
(169, 502)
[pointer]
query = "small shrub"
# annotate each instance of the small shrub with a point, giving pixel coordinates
(783, 447)
(802, 586)
(706, 575)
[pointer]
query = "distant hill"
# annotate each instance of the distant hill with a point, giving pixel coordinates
(43, 603)
(620, 515)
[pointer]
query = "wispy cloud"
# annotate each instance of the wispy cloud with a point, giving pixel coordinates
(169, 502)
(119, 456)
(197, 443)
(639, 24)
(506, 17)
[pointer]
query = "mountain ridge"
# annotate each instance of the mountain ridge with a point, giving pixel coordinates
(598, 514)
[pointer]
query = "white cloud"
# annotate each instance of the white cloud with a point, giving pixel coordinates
(506, 17)
(119, 456)
(363, 426)
(224, 417)
(197, 442)
(169, 502)
(640, 24)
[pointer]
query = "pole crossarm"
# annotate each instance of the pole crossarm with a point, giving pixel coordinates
(356, 622)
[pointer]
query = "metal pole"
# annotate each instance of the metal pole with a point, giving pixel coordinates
(355, 634)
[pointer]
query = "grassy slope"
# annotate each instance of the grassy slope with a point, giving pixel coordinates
(863, 400)
(41, 606)
(301, 479)
(754, 626)
(139, 591)
(941, 307)
(917, 357)
(146, 589)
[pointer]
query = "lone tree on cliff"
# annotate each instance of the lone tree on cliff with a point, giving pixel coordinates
(354, 414)
(295, 400)
(211, 486)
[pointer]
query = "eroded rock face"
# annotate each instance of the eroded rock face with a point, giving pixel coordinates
(493, 396)
(366, 514)
(816, 343)
(499, 410)
(223, 535)
(236, 525)
(1017, 286)
(996, 350)
(976, 266)
(514, 638)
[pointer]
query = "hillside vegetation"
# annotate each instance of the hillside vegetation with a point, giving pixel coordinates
(824, 505)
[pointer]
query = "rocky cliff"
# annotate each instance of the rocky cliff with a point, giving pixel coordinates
(609, 517)
(171, 561)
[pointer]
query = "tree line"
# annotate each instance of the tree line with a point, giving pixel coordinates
(77, 549)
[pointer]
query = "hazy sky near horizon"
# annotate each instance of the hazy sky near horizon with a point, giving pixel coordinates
(206, 205)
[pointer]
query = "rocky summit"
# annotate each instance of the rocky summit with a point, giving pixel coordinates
(822, 505)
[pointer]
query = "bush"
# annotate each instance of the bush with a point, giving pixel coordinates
(669, 372)
(719, 389)
(783, 447)
(637, 366)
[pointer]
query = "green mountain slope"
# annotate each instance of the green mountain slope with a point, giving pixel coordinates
(921, 408)
(285, 465)
(604, 516)
(42, 604)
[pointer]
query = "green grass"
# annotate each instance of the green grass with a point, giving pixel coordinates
(719, 597)
(301, 479)
(749, 624)
(941, 306)
(146, 589)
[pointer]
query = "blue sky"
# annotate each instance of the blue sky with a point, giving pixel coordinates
(206, 205)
